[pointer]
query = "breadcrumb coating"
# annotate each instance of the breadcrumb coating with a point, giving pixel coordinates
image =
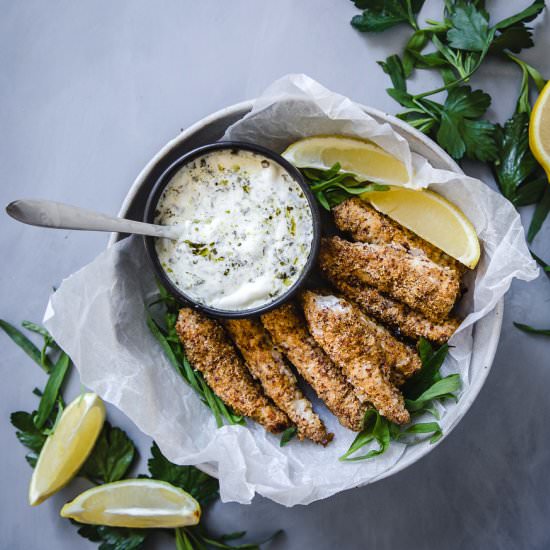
(402, 361)
(210, 351)
(347, 337)
(415, 280)
(400, 317)
(267, 365)
(289, 333)
(367, 225)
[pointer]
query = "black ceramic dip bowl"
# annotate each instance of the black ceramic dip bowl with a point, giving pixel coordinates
(251, 229)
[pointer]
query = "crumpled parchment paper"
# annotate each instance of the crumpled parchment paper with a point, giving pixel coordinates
(97, 316)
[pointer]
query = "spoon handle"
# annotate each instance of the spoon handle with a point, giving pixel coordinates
(63, 216)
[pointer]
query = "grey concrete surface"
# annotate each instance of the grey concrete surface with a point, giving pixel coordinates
(89, 91)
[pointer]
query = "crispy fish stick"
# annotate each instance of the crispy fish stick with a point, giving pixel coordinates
(210, 351)
(398, 316)
(365, 224)
(401, 360)
(268, 366)
(290, 334)
(345, 334)
(415, 280)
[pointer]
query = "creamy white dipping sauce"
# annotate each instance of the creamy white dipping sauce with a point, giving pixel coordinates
(246, 230)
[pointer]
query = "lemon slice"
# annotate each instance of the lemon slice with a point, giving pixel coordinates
(68, 447)
(431, 217)
(142, 503)
(363, 158)
(539, 129)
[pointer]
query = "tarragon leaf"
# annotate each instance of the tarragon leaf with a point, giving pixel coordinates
(541, 213)
(442, 388)
(51, 391)
(432, 360)
(542, 263)
(532, 330)
(431, 428)
(524, 16)
(375, 428)
(287, 435)
(25, 344)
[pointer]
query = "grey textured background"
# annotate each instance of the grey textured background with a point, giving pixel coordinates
(89, 91)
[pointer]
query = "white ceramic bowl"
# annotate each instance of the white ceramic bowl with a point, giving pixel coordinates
(486, 332)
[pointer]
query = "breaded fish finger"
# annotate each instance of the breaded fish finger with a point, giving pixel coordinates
(289, 332)
(267, 365)
(340, 328)
(210, 351)
(415, 280)
(367, 225)
(401, 360)
(398, 316)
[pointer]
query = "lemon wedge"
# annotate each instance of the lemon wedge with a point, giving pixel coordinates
(432, 217)
(141, 503)
(539, 129)
(363, 158)
(68, 447)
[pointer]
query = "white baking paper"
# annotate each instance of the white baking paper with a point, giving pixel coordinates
(97, 316)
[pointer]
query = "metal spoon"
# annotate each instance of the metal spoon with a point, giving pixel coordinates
(63, 216)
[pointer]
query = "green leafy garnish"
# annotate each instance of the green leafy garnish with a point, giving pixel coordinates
(198, 484)
(26, 345)
(446, 387)
(462, 40)
(541, 213)
(460, 130)
(421, 391)
(169, 341)
(532, 330)
(113, 538)
(50, 394)
(111, 457)
(331, 187)
(542, 263)
(515, 163)
(433, 429)
(375, 428)
(204, 489)
(28, 434)
(379, 15)
(113, 454)
(34, 427)
(469, 28)
(287, 435)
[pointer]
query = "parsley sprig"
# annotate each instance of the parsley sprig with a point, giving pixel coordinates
(461, 42)
(112, 457)
(421, 393)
